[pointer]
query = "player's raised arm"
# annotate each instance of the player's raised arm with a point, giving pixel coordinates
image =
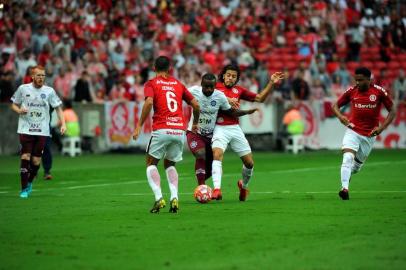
(275, 78)
(146, 109)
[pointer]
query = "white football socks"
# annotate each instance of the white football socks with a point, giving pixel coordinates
(173, 180)
(154, 181)
(216, 173)
(246, 175)
(348, 160)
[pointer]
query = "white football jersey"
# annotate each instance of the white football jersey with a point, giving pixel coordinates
(38, 102)
(209, 108)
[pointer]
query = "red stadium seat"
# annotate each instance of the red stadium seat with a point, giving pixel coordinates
(380, 65)
(352, 65)
(394, 65)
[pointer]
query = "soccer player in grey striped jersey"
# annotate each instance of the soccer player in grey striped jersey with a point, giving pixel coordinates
(210, 101)
(32, 102)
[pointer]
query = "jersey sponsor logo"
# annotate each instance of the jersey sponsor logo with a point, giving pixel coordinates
(168, 88)
(36, 105)
(167, 83)
(174, 118)
(174, 124)
(372, 97)
(365, 106)
(213, 103)
(204, 121)
(43, 96)
(193, 144)
(174, 133)
(235, 91)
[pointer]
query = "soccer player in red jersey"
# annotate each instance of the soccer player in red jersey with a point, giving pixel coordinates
(165, 94)
(228, 132)
(32, 101)
(365, 99)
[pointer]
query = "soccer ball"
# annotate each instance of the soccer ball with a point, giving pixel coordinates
(202, 194)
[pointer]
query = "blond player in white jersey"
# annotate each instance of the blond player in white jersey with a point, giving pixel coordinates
(32, 102)
(210, 101)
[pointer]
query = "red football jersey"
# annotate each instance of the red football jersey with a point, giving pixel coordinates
(365, 107)
(237, 92)
(167, 94)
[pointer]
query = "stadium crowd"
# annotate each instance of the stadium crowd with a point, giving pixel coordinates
(101, 50)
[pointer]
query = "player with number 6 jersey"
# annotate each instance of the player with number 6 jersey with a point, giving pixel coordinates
(165, 94)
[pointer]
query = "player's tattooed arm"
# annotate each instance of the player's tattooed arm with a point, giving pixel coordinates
(146, 109)
(19, 108)
(389, 118)
(238, 112)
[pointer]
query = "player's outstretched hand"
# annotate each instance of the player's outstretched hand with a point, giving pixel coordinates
(136, 133)
(253, 110)
(375, 132)
(277, 77)
(63, 129)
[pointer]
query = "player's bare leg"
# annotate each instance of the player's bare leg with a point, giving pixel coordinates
(217, 172)
(346, 167)
(25, 174)
(154, 181)
(173, 180)
(247, 171)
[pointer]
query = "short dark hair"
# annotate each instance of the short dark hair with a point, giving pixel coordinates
(162, 63)
(363, 71)
(209, 77)
(230, 67)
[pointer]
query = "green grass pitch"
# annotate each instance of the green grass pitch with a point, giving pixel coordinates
(95, 215)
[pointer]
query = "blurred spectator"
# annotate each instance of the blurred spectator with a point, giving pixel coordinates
(71, 119)
(23, 62)
(344, 77)
(383, 80)
(300, 88)
(399, 87)
(7, 86)
(83, 91)
(356, 38)
(293, 121)
(64, 47)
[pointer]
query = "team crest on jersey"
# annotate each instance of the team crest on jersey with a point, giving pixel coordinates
(235, 91)
(193, 144)
(43, 96)
(372, 97)
(213, 103)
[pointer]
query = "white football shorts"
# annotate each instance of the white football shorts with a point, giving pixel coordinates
(167, 143)
(233, 135)
(362, 145)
